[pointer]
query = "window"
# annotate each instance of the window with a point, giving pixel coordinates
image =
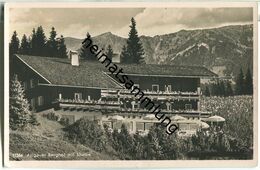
(184, 126)
(168, 106)
(155, 87)
(136, 106)
(188, 107)
(117, 125)
(194, 126)
(25, 85)
(78, 96)
(31, 83)
(140, 126)
(129, 126)
(147, 126)
(168, 88)
(32, 102)
(40, 100)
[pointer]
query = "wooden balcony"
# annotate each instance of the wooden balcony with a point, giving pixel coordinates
(160, 95)
(90, 104)
(114, 106)
(163, 93)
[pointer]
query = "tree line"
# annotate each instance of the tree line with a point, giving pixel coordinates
(38, 45)
(244, 83)
(243, 86)
(219, 88)
(132, 52)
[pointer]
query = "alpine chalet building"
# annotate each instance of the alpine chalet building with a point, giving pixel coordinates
(74, 88)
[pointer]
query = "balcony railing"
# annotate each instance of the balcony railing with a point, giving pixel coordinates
(160, 95)
(148, 92)
(162, 111)
(90, 102)
(116, 106)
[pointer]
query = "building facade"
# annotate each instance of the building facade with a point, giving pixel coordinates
(87, 89)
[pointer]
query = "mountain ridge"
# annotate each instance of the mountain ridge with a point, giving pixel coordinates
(223, 50)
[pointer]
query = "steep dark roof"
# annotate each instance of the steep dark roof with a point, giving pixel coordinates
(92, 74)
(60, 72)
(167, 70)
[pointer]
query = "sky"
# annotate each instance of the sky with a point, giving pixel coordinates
(75, 22)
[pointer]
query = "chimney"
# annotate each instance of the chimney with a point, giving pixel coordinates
(74, 58)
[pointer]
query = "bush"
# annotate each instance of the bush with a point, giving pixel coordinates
(88, 133)
(34, 121)
(64, 121)
(51, 116)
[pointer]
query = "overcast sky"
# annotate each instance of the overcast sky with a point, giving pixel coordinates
(150, 21)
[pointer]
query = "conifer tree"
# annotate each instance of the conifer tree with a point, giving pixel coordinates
(29, 39)
(85, 53)
(33, 120)
(207, 92)
(20, 114)
(13, 46)
(110, 52)
(229, 90)
(25, 45)
(248, 83)
(34, 43)
(52, 44)
(62, 49)
(155, 149)
(222, 90)
(218, 89)
(40, 41)
(134, 46)
(240, 83)
(124, 55)
(213, 89)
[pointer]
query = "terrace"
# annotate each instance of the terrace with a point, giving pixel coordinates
(185, 113)
(160, 95)
(88, 104)
(115, 107)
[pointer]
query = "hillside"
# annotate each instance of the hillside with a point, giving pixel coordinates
(223, 50)
(46, 142)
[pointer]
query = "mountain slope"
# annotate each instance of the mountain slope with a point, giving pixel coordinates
(47, 142)
(223, 50)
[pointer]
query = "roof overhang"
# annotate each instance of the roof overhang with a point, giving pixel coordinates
(163, 75)
(33, 69)
(70, 86)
